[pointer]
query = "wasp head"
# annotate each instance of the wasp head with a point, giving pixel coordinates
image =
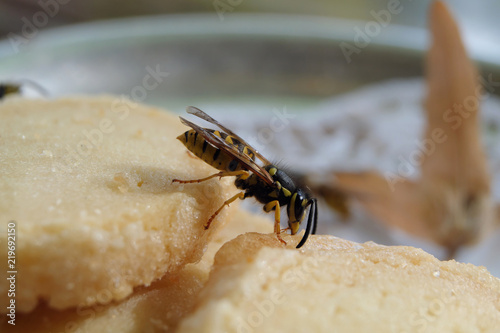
(296, 209)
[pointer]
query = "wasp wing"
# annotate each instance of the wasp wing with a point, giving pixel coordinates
(218, 142)
(201, 114)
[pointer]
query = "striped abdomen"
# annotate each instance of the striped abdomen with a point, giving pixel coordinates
(212, 155)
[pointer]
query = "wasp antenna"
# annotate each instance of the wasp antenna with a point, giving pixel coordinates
(315, 221)
(312, 221)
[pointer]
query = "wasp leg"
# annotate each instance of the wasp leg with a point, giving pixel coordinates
(285, 229)
(277, 217)
(218, 174)
(240, 195)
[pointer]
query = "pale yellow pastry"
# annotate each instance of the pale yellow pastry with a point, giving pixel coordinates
(109, 244)
(88, 183)
(333, 285)
(157, 308)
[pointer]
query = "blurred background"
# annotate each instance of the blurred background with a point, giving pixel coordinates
(479, 16)
(257, 60)
(300, 51)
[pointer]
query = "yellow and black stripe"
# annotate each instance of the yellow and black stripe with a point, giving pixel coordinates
(212, 155)
(268, 184)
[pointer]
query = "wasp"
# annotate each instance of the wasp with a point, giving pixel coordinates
(7, 89)
(233, 156)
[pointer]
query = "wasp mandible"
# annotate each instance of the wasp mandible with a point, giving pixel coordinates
(233, 156)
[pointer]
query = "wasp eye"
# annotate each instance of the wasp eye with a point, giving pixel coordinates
(299, 207)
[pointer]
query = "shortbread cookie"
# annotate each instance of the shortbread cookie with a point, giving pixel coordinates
(88, 183)
(333, 285)
(156, 308)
